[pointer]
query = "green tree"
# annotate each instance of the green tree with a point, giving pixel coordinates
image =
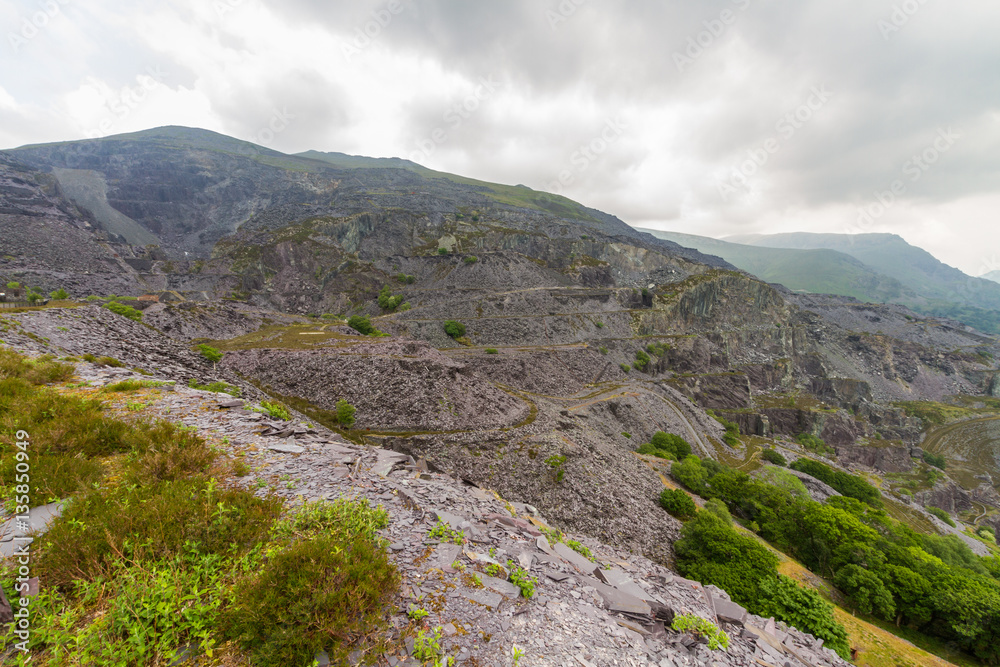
(802, 608)
(345, 413)
(361, 324)
(454, 329)
(677, 503)
(59, 294)
(712, 552)
(866, 591)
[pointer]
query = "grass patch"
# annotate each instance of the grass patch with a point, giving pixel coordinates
(154, 551)
(218, 387)
(132, 385)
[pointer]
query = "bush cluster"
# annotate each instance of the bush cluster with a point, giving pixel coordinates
(666, 446)
(774, 457)
(845, 483)
(732, 435)
(125, 311)
(454, 329)
(677, 503)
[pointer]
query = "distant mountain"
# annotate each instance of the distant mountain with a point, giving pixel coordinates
(938, 289)
(992, 275)
(816, 271)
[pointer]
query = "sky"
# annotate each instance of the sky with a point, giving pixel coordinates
(716, 117)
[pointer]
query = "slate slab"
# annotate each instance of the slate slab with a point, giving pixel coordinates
(38, 520)
(502, 587)
(729, 612)
(485, 598)
(287, 449)
(584, 565)
(618, 601)
(452, 520)
(445, 554)
(387, 462)
(618, 579)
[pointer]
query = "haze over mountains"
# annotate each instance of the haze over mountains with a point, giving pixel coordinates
(881, 268)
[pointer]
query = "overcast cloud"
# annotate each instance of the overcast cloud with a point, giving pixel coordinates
(714, 117)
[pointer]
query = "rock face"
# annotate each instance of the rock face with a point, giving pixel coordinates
(405, 386)
(47, 242)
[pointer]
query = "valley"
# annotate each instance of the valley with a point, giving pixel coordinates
(512, 345)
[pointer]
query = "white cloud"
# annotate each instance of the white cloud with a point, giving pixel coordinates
(246, 67)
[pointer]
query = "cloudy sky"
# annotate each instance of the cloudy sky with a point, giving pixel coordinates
(714, 117)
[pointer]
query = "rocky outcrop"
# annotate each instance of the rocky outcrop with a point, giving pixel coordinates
(883, 459)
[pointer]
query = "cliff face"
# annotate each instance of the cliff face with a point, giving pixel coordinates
(47, 242)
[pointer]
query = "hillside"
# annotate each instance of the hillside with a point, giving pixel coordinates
(450, 336)
(816, 271)
(937, 288)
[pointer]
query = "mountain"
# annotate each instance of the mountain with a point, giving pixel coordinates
(815, 271)
(992, 275)
(516, 341)
(932, 286)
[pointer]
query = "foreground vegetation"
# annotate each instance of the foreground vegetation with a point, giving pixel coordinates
(156, 550)
(930, 584)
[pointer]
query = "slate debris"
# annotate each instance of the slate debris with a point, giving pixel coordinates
(615, 610)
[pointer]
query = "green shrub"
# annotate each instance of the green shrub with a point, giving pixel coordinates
(59, 295)
(522, 579)
(603, 350)
(209, 352)
(131, 385)
(361, 324)
(935, 460)
(719, 509)
(42, 370)
(405, 279)
(387, 301)
(107, 361)
(774, 457)
(731, 436)
(677, 503)
(802, 608)
(492, 350)
(626, 368)
(712, 552)
(442, 251)
(345, 413)
(845, 483)
(866, 591)
(700, 627)
(326, 593)
(672, 443)
(274, 409)
(125, 311)
(151, 522)
(454, 329)
(471, 259)
(941, 514)
(641, 361)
